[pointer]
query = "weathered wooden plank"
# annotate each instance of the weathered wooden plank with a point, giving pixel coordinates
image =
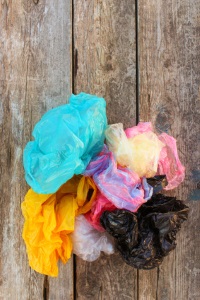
(104, 40)
(35, 75)
(105, 50)
(62, 287)
(105, 278)
(169, 88)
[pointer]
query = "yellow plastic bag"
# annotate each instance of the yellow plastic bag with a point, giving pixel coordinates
(50, 218)
(84, 190)
(86, 194)
(140, 153)
(146, 149)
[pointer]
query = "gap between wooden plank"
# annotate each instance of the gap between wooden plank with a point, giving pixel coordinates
(169, 92)
(74, 57)
(137, 91)
(104, 44)
(137, 65)
(74, 71)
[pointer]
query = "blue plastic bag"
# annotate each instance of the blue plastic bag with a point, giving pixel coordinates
(66, 138)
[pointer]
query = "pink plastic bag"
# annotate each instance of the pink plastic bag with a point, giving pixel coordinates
(119, 185)
(169, 163)
(99, 206)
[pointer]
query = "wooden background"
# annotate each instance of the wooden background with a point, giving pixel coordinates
(144, 58)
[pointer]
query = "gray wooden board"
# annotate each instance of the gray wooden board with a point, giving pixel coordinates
(104, 41)
(35, 75)
(169, 42)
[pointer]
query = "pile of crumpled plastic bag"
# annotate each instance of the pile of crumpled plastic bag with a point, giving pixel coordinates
(97, 188)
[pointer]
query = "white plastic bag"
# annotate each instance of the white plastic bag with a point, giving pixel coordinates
(88, 242)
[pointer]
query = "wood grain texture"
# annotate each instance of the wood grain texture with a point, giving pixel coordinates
(106, 278)
(169, 42)
(104, 41)
(62, 287)
(35, 75)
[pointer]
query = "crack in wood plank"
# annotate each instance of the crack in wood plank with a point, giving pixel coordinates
(46, 288)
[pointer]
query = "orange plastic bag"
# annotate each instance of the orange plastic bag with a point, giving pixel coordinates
(86, 194)
(50, 218)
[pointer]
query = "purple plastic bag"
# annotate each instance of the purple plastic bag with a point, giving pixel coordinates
(119, 185)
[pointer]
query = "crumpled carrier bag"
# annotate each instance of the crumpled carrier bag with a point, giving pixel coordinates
(145, 153)
(88, 243)
(49, 219)
(144, 238)
(139, 153)
(121, 186)
(66, 138)
(100, 205)
(169, 162)
(158, 183)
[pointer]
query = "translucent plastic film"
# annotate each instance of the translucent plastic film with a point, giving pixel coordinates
(146, 153)
(88, 243)
(50, 218)
(66, 138)
(119, 185)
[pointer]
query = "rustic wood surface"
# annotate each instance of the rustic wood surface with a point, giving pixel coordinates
(104, 42)
(169, 43)
(39, 42)
(35, 75)
(104, 48)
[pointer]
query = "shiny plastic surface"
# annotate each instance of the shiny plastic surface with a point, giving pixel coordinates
(50, 218)
(66, 138)
(143, 239)
(119, 185)
(140, 153)
(88, 242)
(146, 153)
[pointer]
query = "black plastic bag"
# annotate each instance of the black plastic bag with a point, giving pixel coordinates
(143, 239)
(158, 183)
